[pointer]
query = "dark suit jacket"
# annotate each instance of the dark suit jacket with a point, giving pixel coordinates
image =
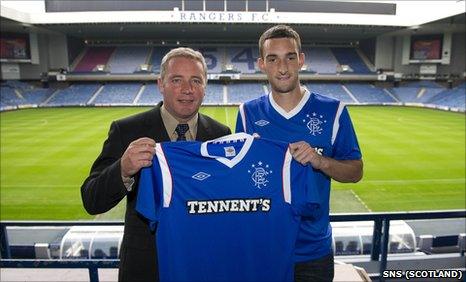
(104, 188)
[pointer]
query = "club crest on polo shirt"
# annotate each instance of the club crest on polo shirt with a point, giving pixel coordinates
(314, 122)
(259, 172)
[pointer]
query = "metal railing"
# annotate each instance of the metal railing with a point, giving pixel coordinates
(379, 251)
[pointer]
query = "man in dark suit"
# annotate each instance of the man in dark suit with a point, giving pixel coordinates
(130, 146)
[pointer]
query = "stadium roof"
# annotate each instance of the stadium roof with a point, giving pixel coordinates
(354, 23)
(366, 12)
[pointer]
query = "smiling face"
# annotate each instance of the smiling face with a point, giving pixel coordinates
(281, 61)
(183, 87)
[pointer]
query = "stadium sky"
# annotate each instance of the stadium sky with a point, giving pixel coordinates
(408, 13)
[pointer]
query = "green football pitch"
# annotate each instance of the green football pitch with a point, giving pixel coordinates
(414, 159)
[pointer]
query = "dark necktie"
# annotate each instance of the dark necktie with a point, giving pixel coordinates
(181, 130)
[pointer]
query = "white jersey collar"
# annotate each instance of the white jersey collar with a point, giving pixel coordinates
(296, 109)
(229, 138)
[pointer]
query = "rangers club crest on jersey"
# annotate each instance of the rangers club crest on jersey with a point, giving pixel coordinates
(314, 123)
(259, 173)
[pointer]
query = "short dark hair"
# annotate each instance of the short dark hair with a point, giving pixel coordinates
(279, 31)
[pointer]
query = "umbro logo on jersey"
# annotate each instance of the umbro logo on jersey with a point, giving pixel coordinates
(262, 122)
(201, 176)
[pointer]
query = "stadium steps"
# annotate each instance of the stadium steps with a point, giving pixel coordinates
(365, 60)
(78, 58)
(50, 97)
(391, 95)
(91, 100)
(138, 96)
(93, 57)
(349, 93)
(225, 94)
(18, 93)
(106, 68)
(421, 93)
(338, 67)
(149, 56)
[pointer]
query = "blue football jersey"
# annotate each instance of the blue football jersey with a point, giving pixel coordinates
(227, 209)
(325, 124)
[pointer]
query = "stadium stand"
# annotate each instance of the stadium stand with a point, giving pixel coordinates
(321, 60)
(18, 93)
(242, 58)
(368, 93)
(416, 91)
(117, 94)
(156, 59)
(214, 58)
(18, 85)
(242, 92)
(22, 94)
(149, 95)
(9, 96)
(349, 57)
(127, 59)
(334, 90)
(214, 94)
(454, 98)
(76, 95)
(37, 96)
(93, 57)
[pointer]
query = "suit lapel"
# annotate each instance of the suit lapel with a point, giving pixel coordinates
(203, 130)
(156, 128)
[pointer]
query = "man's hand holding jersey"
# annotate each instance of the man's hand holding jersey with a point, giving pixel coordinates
(339, 170)
(139, 154)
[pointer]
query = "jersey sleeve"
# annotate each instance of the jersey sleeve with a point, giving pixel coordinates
(305, 198)
(346, 145)
(150, 196)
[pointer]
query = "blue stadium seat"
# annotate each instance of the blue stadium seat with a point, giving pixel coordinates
(368, 93)
(128, 59)
(150, 95)
(349, 56)
(243, 59)
(156, 59)
(320, 60)
(74, 95)
(333, 90)
(118, 93)
(214, 94)
(244, 91)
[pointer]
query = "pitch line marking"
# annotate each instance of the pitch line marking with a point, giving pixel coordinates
(360, 201)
